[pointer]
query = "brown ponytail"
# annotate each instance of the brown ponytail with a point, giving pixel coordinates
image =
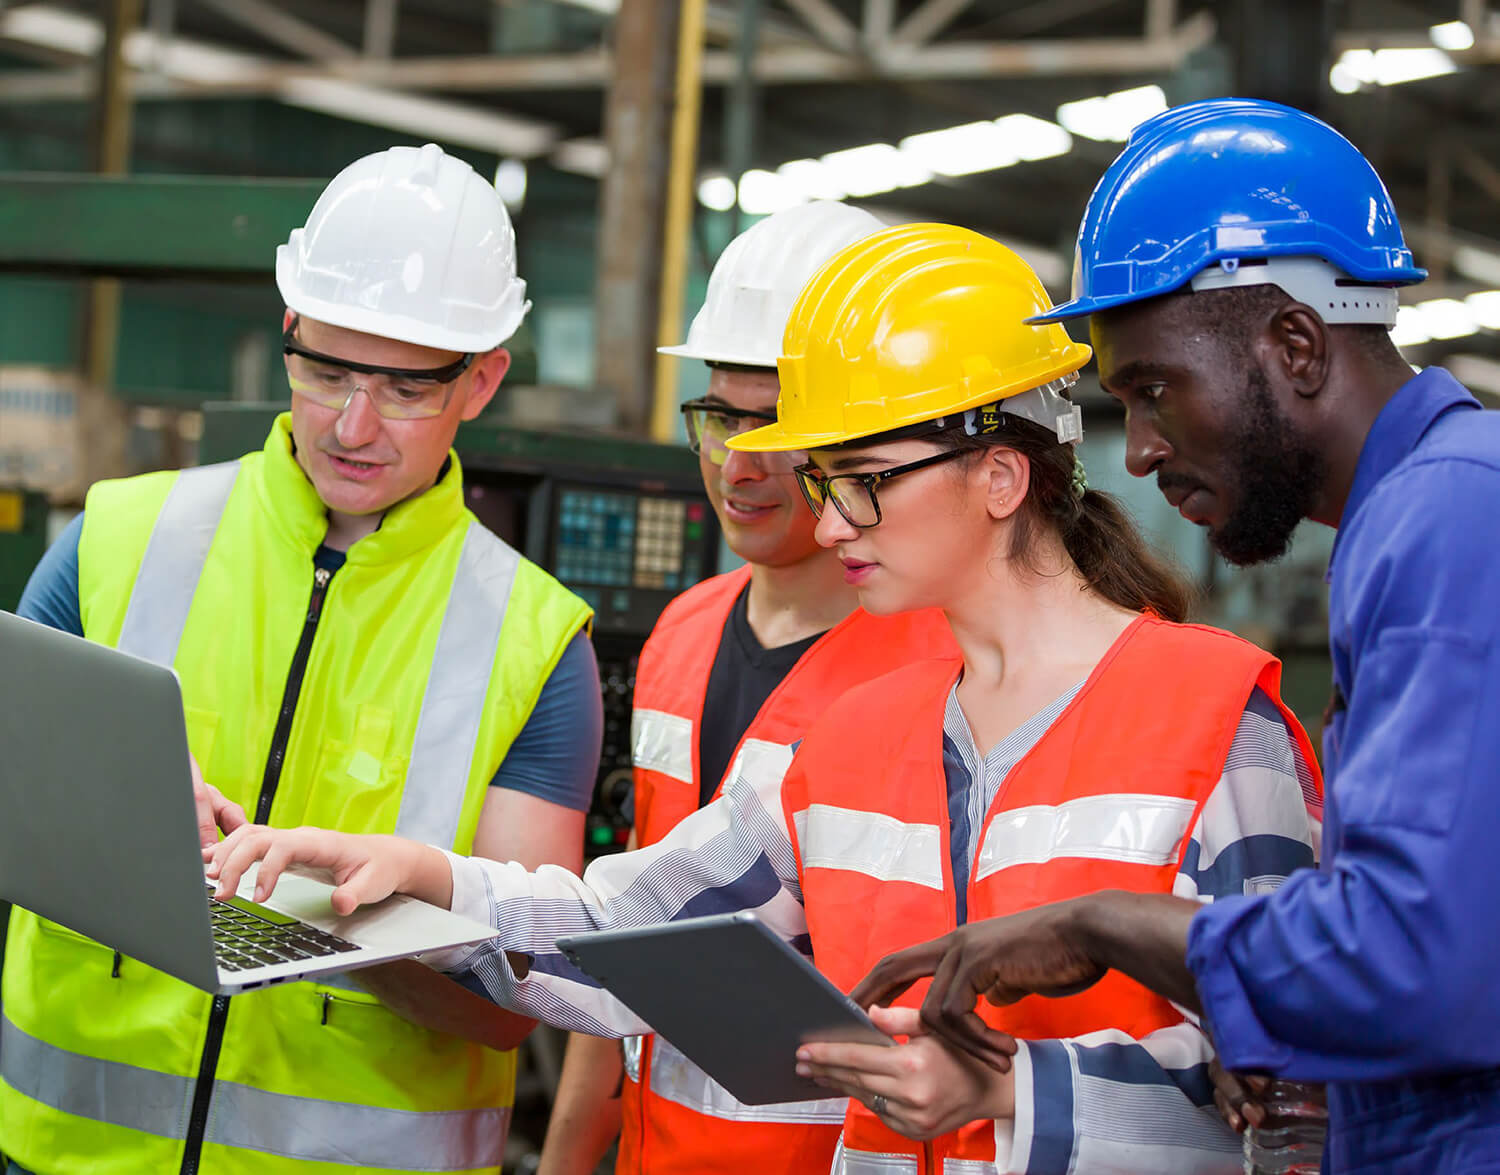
(1109, 551)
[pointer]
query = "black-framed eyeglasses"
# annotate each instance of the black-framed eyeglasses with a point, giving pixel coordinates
(398, 393)
(710, 424)
(853, 494)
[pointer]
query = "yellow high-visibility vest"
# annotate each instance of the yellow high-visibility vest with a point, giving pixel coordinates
(428, 652)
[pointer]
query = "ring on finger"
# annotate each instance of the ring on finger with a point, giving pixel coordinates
(879, 1105)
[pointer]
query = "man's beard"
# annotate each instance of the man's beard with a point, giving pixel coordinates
(1276, 475)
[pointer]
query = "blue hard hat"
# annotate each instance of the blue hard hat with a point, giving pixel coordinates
(1231, 179)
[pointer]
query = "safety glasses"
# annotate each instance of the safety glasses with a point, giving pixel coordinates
(853, 494)
(710, 424)
(397, 393)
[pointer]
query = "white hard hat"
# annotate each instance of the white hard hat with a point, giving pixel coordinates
(760, 274)
(408, 244)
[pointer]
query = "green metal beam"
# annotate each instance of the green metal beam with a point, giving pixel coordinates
(148, 226)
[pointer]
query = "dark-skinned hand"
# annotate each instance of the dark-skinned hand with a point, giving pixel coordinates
(1237, 1096)
(1002, 959)
(1250, 1100)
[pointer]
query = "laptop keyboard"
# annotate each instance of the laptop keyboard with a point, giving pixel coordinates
(248, 936)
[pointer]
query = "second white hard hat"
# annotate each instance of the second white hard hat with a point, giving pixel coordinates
(758, 277)
(410, 244)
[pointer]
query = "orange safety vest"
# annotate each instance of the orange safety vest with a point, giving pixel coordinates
(1106, 799)
(675, 1117)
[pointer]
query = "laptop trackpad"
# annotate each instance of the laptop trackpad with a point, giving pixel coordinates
(399, 924)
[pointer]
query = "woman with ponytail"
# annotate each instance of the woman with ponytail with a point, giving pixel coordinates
(1088, 739)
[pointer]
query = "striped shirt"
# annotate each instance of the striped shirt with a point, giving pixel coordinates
(1098, 1103)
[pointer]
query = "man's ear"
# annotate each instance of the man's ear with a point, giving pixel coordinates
(1007, 475)
(485, 374)
(1300, 348)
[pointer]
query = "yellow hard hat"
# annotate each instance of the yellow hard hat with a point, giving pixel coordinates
(910, 324)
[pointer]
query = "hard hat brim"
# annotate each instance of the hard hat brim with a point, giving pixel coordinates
(776, 438)
(688, 351)
(771, 438)
(1083, 307)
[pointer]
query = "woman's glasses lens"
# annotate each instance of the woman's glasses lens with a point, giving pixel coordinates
(854, 500)
(811, 485)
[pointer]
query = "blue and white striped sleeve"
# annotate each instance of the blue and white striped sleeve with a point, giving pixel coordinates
(734, 854)
(1106, 1103)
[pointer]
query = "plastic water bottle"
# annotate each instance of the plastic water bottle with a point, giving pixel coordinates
(1290, 1141)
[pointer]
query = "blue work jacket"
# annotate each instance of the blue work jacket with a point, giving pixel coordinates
(1380, 972)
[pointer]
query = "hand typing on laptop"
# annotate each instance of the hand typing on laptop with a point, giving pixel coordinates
(365, 868)
(214, 811)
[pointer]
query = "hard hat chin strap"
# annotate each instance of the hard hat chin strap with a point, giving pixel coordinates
(1046, 405)
(1339, 299)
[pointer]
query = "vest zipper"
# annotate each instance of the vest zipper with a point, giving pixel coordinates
(321, 579)
(218, 1016)
(203, 1089)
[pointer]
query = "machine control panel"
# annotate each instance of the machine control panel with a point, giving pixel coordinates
(629, 551)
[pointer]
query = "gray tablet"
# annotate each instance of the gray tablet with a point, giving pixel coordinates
(730, 995)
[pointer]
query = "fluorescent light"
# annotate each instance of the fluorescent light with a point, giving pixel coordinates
(1343, 79)
(764, 192)
(1111, 117)
(1410, 329)
(1034, 138)
(510, 183)
(1446, 318)
(717, 192)
(812, 179)
(1394, 66)
(962, 150)
(875, 167)
(1387, 67)
(1485, 307)
(985, 146)
(1454, 36)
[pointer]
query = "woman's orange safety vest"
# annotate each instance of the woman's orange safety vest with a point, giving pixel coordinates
(675, 1117)
(1106, 799)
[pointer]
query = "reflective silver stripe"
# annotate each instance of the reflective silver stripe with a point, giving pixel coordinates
(275, 1124)
(871, 843)
(763, 765)
(968, 1167)
(457, 690)
(1133, 828)
(631, 1048)
(677, 1079)
(105, 1091)
(853, 1162)
(358, 1136)
(174, 559)
(662, 742)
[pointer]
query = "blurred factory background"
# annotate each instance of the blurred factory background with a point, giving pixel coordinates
(153, 153)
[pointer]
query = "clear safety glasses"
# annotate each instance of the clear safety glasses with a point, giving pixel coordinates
(397, 393)
(711, 423)
(853, 494)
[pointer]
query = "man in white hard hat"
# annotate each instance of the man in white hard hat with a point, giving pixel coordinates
(356, 651)
(750, 656)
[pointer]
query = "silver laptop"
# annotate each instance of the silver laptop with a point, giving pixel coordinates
(98, 832)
